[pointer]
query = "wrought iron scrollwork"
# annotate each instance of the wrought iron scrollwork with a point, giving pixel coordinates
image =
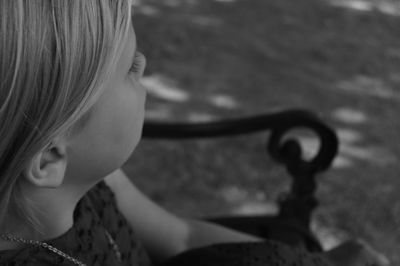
(301, 201)
(295, 207)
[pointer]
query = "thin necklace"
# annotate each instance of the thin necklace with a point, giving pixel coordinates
(111, 241)
(9, 237)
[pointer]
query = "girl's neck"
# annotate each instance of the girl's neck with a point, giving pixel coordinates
(54, 210)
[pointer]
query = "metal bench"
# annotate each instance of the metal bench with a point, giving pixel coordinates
(292, 224)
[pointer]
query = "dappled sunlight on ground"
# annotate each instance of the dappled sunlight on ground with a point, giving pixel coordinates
(372, 155)
(349, 115)
(352, 148)
(370, 86)
(199, 117)
(256, 208)
(341, 162)
(245, 202)
(164, 94)
(205, 21)
(233, 193)
(147, 10)
(386, 7)
(142, 6)
(352, 142)
(330, 237)
(223, 101)
(349, 135)
(310, 146)
(164, 88)
(196, 19)
(159, 113)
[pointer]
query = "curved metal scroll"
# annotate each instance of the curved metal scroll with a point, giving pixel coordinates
(278, 123)
(297, 206)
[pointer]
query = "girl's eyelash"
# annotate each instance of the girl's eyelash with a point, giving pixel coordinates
(136, 64)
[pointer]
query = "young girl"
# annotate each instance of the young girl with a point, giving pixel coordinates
(71, 113)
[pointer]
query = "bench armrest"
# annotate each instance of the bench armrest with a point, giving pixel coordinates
(295, 207)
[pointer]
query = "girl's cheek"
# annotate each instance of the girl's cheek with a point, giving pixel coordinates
(130, 119)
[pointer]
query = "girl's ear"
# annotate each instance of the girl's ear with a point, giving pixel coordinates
(47, 168)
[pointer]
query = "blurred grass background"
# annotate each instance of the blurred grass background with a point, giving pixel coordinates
(210, 59)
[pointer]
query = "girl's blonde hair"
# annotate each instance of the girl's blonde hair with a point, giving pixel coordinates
(55, 56)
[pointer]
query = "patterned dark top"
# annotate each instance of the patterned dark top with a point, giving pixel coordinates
(87, 240)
